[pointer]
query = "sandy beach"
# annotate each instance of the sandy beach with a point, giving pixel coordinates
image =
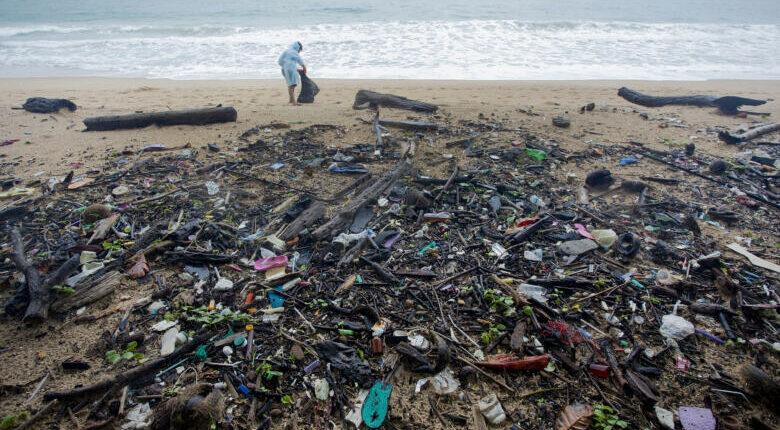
(52, 145)
(55, 144)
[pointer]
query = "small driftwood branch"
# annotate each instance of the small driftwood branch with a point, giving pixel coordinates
(447, 184)
(38, 309)
(43, 411)
(131, 375)
(63, 272)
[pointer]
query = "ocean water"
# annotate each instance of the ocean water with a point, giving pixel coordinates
(394, 39)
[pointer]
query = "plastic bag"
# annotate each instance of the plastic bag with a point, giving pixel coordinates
(308, 89)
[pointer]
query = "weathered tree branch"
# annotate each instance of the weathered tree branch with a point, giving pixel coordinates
(371, 193)
(38, 308)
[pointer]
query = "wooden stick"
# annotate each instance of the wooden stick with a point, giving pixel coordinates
(43, 411)
(447, 185)
(38, 387)
(489, 376)
(122, 401)
(457, 275)
(74, 419)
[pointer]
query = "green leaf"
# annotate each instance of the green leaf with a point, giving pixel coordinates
(138, 356)
(132, 346)
(127, 355)
(286, 399)
(112, 356)
(271, 373)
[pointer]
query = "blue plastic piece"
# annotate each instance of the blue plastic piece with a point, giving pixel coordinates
(244, 390)
(277, 301)
(375, 408)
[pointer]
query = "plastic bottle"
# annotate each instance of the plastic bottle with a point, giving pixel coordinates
(491, 409)
(664, 277)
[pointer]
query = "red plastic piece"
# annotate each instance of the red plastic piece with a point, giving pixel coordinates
(513, 362)
(599, 370)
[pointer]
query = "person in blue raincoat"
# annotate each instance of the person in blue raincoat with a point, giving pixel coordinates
(290, 60)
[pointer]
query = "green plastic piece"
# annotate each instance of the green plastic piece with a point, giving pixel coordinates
(536, 154)
(240, 340)
(200, 353)
(375, 407)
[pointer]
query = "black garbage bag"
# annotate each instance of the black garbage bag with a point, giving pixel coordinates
(44, 105)
(308, 89)
(346, 359)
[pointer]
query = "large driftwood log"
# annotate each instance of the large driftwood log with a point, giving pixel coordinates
(365, 99)
(85, 295)
(341, 219)
(729, 104)
(307, 218)
(409, 125)
(174, 117)
(748, 135)
(133, 374)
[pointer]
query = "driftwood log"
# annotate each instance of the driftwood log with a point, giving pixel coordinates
(365, 99)
(729, 104)
(306, 218)
(748, 135)
(409, 125)
(136, 373)
(174, 117)
(341, 219)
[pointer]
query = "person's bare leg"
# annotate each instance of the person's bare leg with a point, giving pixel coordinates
(291, 91)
